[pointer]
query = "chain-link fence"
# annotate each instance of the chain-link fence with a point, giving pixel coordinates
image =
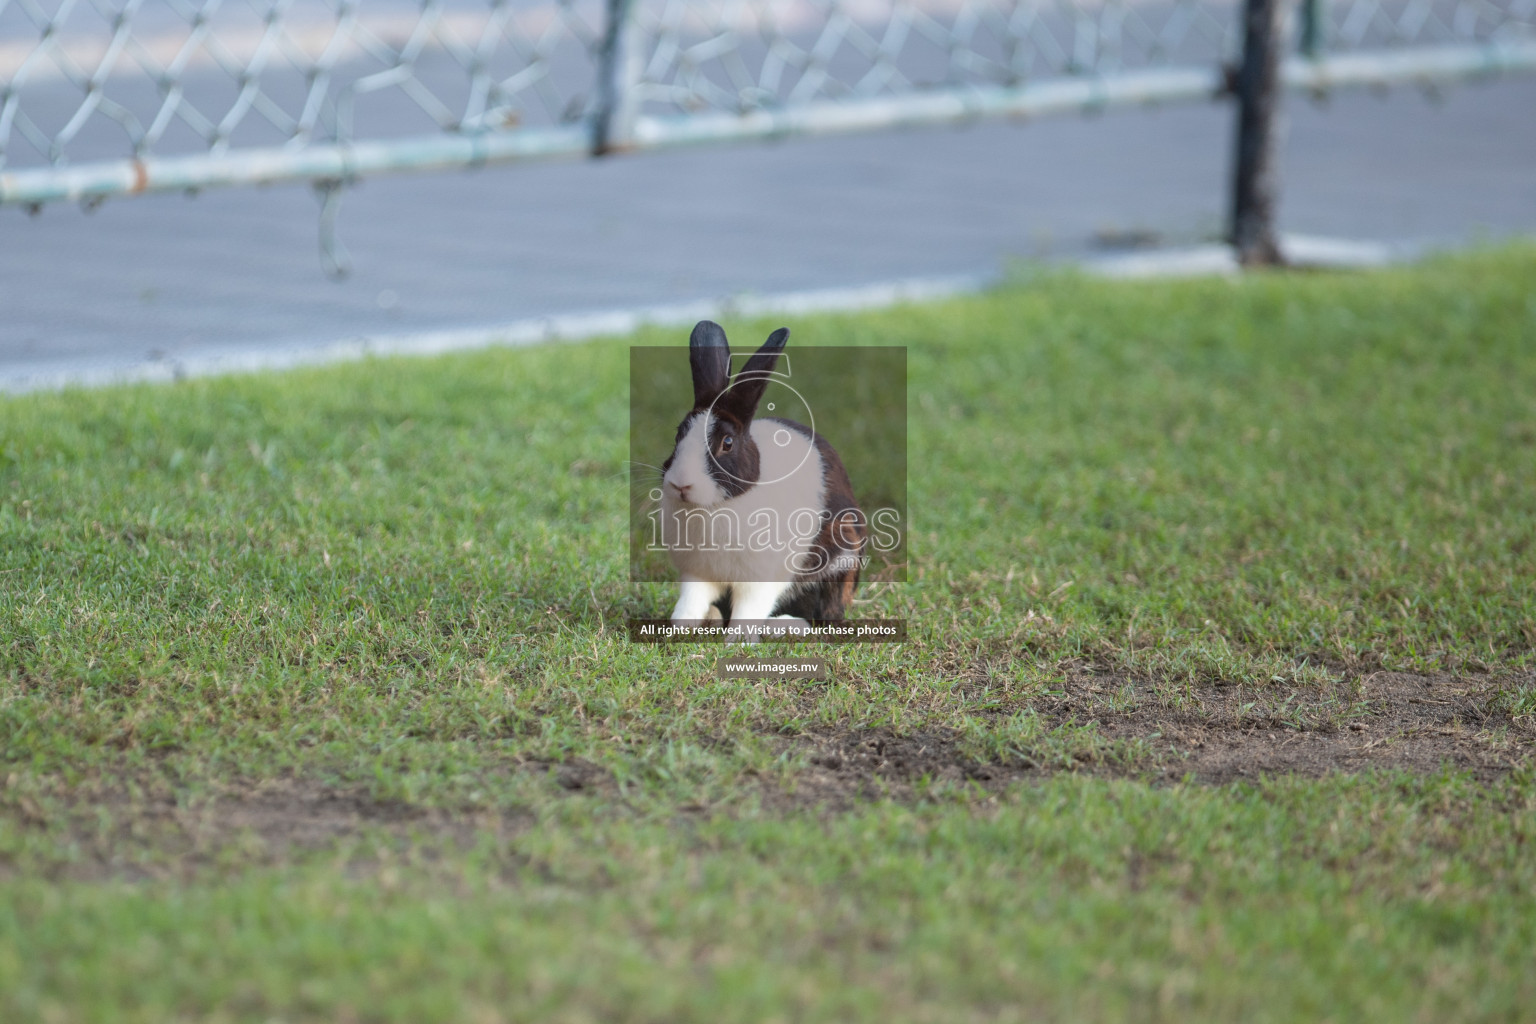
(110, 97)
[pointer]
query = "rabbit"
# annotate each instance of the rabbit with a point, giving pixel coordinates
(759, 516)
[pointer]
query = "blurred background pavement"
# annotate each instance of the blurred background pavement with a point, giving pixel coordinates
(167, 277)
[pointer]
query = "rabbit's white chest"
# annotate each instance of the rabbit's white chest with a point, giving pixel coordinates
(762, 534)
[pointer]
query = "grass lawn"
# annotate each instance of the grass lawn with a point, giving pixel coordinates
(316, 702)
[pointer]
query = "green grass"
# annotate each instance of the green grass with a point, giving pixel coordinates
(1342, 900)
(404, 582)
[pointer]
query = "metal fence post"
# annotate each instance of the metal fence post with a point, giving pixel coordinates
(618, 69)
(1312, 38)
(1258, 93)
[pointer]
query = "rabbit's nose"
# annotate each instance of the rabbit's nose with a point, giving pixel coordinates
(682, 490)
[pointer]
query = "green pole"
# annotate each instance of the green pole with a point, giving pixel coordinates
(1312, 29)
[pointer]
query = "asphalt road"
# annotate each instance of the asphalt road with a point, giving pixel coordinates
(167, 276)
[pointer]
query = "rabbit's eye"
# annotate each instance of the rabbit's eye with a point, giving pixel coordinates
(726, 442)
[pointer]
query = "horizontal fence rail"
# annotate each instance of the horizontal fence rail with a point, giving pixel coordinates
(102, 98)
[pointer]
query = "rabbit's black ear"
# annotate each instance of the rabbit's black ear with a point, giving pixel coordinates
(710, 356)
(748, 387)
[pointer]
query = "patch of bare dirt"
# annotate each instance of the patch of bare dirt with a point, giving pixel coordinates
(164, 835)
(1212, 734)
(1393, 721)
(846, 767)
(576, 775)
